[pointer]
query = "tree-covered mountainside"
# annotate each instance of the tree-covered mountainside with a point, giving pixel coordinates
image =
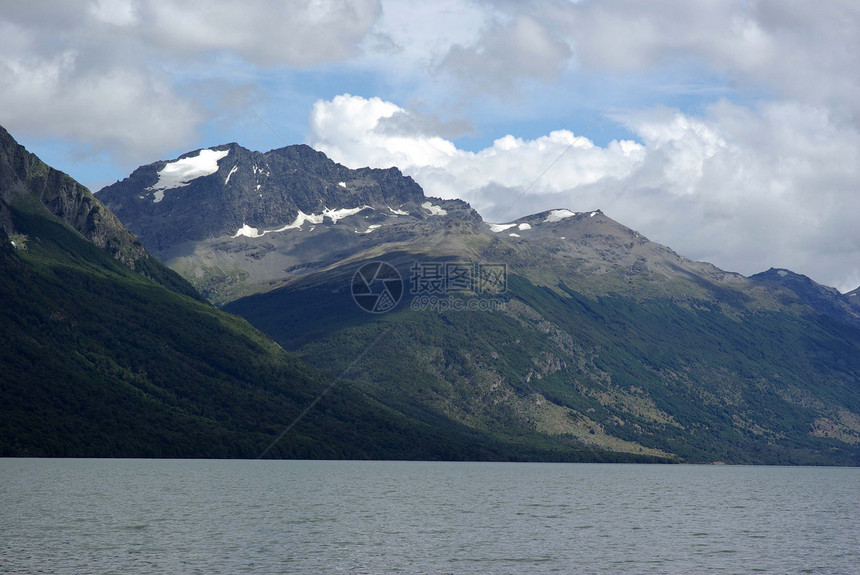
(721, 374)
(99, 361)
(26, 180)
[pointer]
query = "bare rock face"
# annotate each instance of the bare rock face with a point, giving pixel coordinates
(229, 219)
(217, 192)
(28, 184)
(24, 177)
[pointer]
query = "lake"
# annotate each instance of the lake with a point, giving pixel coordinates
(204, 516)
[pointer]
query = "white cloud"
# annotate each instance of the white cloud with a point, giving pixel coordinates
(347, 128)
(523, 48)
(122, 76)
(116, 12)
(745, 188)
(126, 110)
(415, 33)
(803, 50)
(292, 32)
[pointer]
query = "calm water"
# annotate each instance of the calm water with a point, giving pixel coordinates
(145, 516)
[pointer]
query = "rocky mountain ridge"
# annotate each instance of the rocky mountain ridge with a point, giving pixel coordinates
(826, 300)
(231, 220)
(228, 190)
(235, 222)
(29, 183)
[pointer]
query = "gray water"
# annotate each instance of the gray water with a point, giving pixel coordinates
(181, 516)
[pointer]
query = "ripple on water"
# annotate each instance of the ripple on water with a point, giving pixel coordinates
(136, 517)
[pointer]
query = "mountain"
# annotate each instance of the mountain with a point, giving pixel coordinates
(28, 182)
(825, 300)
(561, 330)
(105, 352)
(221, 216)
(854, 298)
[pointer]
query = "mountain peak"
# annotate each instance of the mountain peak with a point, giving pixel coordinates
(229, 217)
(823, 299)
(223, 190)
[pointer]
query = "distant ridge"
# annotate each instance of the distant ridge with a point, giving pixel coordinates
(824, 300)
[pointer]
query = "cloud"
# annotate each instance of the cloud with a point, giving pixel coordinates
(412, 34)
(128, 77)
(126, 110)
(292, 32)
(803, 51)
(744, 188)
(524, 48)
(351, 130)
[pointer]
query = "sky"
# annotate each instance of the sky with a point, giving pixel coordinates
(727, 130)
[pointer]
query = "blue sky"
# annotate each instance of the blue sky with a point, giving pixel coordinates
(729, 131)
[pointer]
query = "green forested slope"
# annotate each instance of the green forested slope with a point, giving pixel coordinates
(696, 379)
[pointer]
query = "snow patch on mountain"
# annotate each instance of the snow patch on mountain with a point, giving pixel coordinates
(335, 215)
(434, 210)
(233, 171)
(182, 172)
(398, 212)
(496, 228)
(248, 232)
(558, 215)
(301, 219)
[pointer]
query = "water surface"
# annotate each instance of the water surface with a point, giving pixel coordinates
(199, 516)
